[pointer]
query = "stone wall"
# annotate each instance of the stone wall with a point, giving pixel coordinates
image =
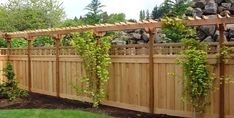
(209, 8)
(212, 7)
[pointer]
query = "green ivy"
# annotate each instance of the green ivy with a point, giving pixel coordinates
(95, 58)
(227, 53)
(197, 83)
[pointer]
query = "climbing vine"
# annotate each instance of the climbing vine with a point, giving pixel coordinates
(227, 54)
(95, 59)
(197, 83)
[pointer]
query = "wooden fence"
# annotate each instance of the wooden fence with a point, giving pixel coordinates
(129, 85)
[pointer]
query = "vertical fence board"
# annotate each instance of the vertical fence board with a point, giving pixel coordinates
(178, 87)
(129, 81)
(156, 82)
(231, 89)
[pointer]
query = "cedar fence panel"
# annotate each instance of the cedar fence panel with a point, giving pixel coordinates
(168, 78)
(128, 86)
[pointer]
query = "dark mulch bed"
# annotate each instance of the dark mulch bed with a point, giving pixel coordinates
(38, 101)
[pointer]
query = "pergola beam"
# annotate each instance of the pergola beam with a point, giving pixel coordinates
(191, 21)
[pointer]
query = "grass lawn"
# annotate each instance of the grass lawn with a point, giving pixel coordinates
(43, 113)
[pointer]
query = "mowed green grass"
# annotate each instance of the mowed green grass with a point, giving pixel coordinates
(44, 113)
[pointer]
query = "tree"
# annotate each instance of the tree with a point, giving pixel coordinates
(117, 17)
(166, 7)
(75, 19)
(175, 7)
(104, 17)
(142, 15)
(157, 12)
(22, 15)
(92, 20)
(5, 22)
(147, 15)
(180, 7)
(95, 9)
(72, 23)
(19, 15)
(171, 8)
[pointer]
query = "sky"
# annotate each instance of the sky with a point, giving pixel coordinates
(130, 7)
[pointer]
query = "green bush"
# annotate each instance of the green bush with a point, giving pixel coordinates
(10, 89)
(176, 30)
(15, 43)
(43, 41)
(2, 43)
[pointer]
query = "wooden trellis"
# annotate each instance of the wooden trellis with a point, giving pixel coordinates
(190, 21)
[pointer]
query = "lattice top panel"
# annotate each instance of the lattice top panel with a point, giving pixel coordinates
(159, 49)
(143, 49)
(3, 51)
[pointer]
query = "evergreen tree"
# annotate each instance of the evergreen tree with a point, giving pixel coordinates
(157, 12)
(94, 11)
(171, 8)
(147, 15)
(142, 15)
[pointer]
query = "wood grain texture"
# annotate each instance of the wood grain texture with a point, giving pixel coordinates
(129, 85)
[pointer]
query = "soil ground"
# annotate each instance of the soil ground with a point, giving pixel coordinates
(38, 101)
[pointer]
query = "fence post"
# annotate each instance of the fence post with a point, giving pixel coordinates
(151, 32)
(57, 50)
(8, 45)
(29, 63)
(222, 73)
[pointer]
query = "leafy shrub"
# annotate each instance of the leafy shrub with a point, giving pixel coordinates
(175, 29)
(43, 41)
(15, 43)
(19, 43)
(2, 43)
(10, 89)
